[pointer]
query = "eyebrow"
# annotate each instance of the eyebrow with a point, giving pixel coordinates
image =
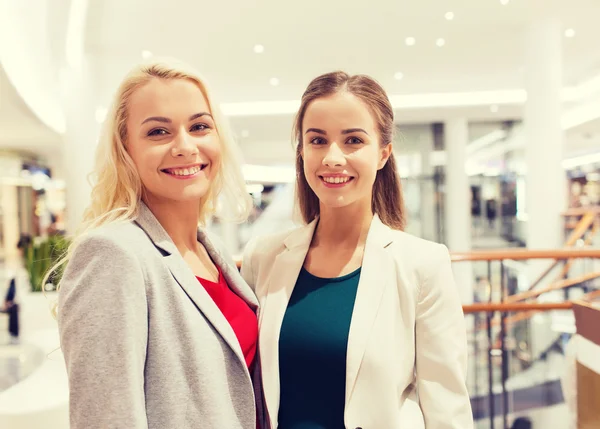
(348, 131)
(354, 130)
(315, 130)
(168, 121)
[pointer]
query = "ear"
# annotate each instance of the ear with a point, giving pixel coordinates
(385, 153)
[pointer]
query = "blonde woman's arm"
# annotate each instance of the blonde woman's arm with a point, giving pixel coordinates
(103, 323)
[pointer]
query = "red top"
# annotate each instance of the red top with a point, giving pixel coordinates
(239, 315)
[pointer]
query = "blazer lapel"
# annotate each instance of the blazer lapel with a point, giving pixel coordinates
(187, 280)
(230, 272)
(373, 281)
(281, 282)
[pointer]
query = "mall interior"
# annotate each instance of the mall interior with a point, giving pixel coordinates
(497, 107)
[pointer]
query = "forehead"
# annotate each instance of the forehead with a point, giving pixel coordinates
(169, 98)
(341, 110)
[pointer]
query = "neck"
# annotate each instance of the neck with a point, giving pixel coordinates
(179, 219)
(343, 226)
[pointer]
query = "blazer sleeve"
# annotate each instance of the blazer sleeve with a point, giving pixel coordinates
(103, 326)
(441, 349)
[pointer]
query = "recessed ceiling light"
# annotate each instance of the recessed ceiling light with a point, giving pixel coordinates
(146, 54)
(274, 81)
(245, 133)
(259, 49)
(398, 75)
(569, 33)
(449, 16)
(504, 2)
(494, 108)
(440, 42)
(410, 41)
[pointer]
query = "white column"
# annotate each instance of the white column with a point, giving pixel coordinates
(427, 188)
(545, 180)
(80, 140)
(545, 189)
(457, 205)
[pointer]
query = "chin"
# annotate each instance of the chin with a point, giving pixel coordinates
(334, 202)
(192, 196)
(187, 194)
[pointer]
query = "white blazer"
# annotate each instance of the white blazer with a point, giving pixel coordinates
(407, 349)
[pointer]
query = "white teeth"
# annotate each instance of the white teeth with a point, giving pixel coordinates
(336, 180)
(185, 171)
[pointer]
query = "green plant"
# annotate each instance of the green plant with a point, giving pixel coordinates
(40, 256)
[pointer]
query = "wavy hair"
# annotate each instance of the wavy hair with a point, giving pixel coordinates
(116, 186)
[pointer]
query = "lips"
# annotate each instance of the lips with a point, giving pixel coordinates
(185, 171)
(336, 179)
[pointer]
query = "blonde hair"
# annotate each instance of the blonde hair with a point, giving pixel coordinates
(116, 186)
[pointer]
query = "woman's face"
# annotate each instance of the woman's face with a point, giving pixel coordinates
(341, 150)
(172, 140)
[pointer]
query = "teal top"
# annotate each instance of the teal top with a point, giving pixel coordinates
(312, 352)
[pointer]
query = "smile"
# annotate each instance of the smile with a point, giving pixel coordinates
(185, 172)
(336, 181)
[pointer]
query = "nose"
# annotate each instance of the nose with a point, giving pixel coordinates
(184, 145)
(334, 156)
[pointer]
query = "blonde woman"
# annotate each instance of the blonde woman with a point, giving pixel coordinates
(361, 324)
(157, 327)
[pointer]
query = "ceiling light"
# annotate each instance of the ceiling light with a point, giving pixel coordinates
(410, 41)
(449, 16)
(146, 54)
(569, 33)
(494, 108)
(259, 49)
(398, 75)
(274, 81)
(440, 42)
(504, 2)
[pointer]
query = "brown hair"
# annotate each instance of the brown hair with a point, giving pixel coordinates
(387, 201)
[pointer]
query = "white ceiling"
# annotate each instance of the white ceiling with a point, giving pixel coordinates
(21, 129)
(484, 43)
(484, 51)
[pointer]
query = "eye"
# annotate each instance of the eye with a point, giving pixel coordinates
(354, 140)
(318, 141)
(199, 127)
(157, 132)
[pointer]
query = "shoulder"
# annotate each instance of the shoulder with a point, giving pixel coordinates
(421, 255)
(112, 242)
(104, 263)
(262, 247)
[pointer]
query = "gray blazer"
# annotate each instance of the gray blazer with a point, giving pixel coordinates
(144, 344)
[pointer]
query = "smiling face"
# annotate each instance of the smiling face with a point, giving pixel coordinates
(341, 150)
(172, 140)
